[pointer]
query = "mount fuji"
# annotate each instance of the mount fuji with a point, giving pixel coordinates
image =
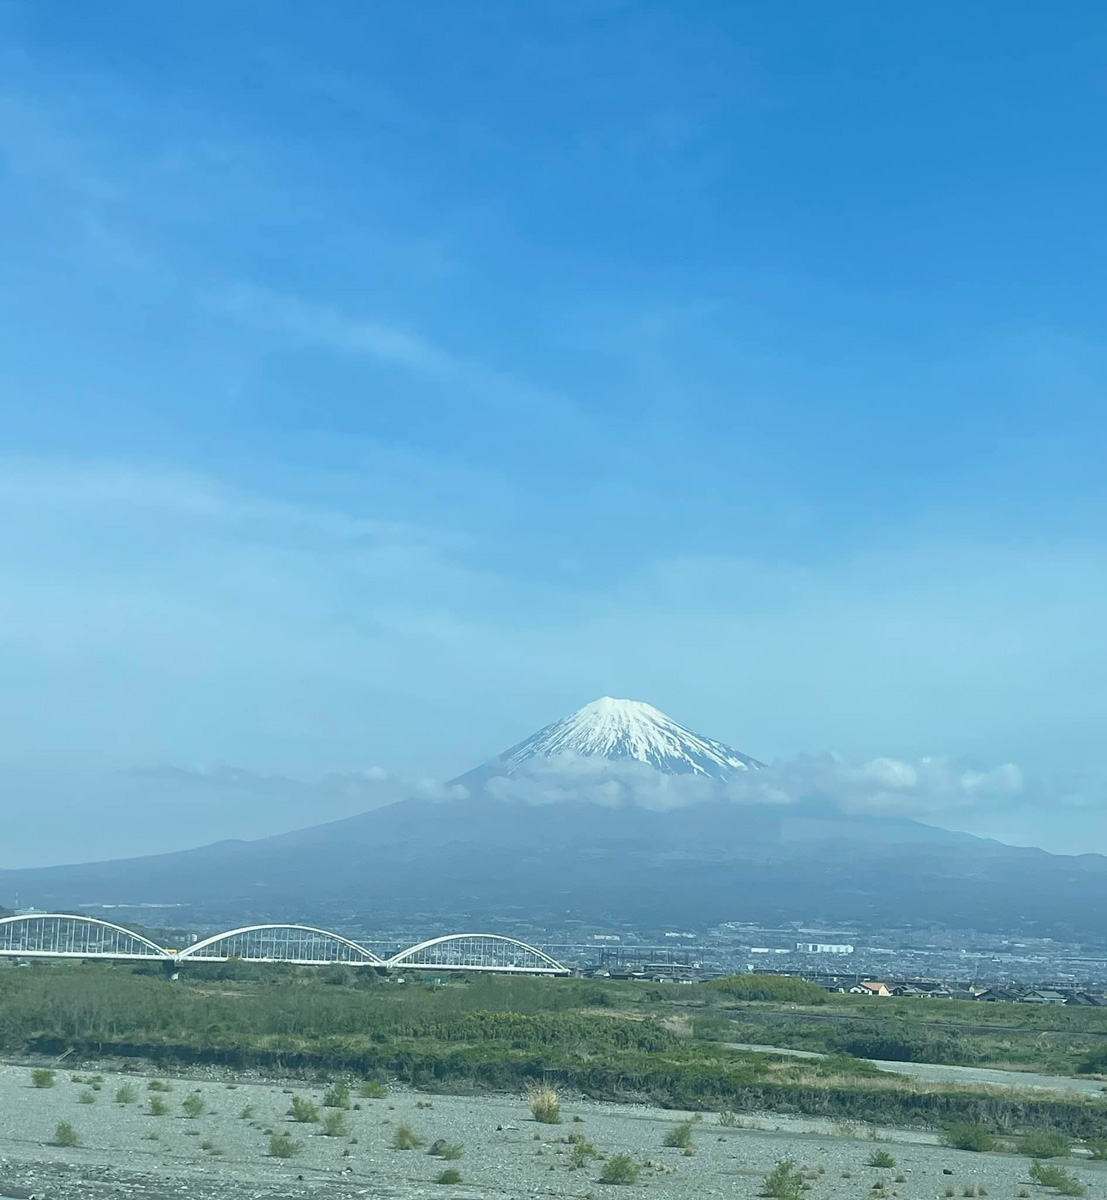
(578, 820)
(619, 731)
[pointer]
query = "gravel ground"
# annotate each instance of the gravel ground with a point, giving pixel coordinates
(126, 1152)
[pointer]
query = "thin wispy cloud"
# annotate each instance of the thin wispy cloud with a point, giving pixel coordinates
(293, 321)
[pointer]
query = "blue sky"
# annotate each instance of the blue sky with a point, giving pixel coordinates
(381, 382)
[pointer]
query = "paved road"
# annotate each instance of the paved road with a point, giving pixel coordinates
(940, 1073)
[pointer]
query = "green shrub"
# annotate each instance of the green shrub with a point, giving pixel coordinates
(679, 1137)
(372, 1089)
(88, 1096)
(158, 1107)
(769, 987)
(405, 1138)
(1051, 1175)
(1097, 1147)
(450, 1151)
(247, 1114)
(1045, 1143)
(1094, 1064)
(158, 1085)
(43, 1077)
(337, 1095)
(713, 1029)
(303, 1110)
(66, 1135)
(335, 1124)
(619, 1168)
(283, 1145)
(449, 1175)
(783, 1182)
(193, 1105)
(126, 1093)
(964, 1135)
(881, 1158)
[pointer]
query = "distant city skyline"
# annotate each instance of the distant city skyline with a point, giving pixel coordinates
(384, 384)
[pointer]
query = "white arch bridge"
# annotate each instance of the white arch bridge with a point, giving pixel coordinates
(59, 935)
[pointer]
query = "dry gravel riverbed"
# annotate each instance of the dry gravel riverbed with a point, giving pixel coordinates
(222, 1154)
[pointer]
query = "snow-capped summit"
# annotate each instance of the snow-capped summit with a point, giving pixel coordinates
(618, 730)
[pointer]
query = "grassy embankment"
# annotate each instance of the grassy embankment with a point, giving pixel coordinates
(1055, 1040)
(607, 1040)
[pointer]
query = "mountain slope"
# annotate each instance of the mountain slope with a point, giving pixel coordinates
(599, 850)
(708, 862)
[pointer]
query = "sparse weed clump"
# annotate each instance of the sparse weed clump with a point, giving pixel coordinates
(43, 1077)
(449, 1175)
(1051, 1175)
(882, 1159)
(303, 1110)
(193, 1105)
(679, 1137)
(964, 1135)
(158, 1085)
(783, 1182)
(450, 1151)
(372, 1089)
(337, 1095)
(88, 1096)
(1045, 1143)
(405, 1138)
(335, 1124)
(1097, 1148)
(619, 1168)
(582, 1151)
(66, 1135)
(545, 1105)
(158, 1107)
(126, 1093)
(283, 1145)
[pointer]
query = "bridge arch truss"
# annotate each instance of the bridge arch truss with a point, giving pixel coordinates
(60, 935)
(301, 944)
(478, 952)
